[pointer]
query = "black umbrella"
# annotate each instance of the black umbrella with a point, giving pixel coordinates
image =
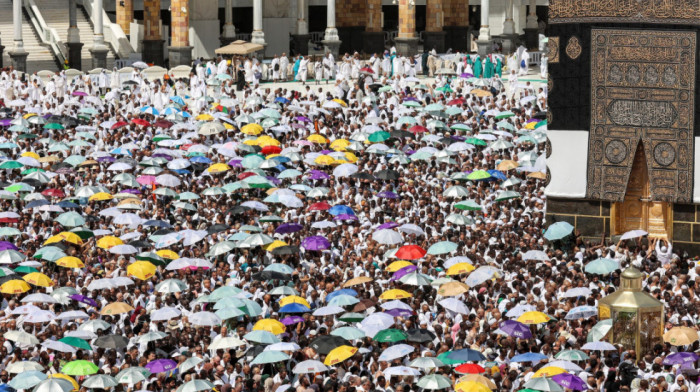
(326, 343)
(33, 182)
(363, 176)
(130, 82)
(254, 352)
(112, 341)
(419, 335)
(540, 115)
(128, 161)
(90, 218)
(55, 119)
(286, 250)
(217, 228)
(70, 122)
(388, 175)
(163, 231)
(271, 275)
(238, 210)
(140, 244)
(6, 278)
(401, 134)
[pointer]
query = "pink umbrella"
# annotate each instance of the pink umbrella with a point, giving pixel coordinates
(146, 180)
(303, 143)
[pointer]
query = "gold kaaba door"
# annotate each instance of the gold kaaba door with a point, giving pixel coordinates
(638, 211)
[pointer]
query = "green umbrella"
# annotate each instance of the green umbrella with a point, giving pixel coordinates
(83, 233)
(411, 104)
(558, 230)
(453, 111)
(435, 107)
(49, 253)
(597, 333)
(251, 308)
(456, 192)
(352, 317)
(258, 182)
(501, 145)
(25, 269)
(543, 384)
(434, 381)
(444, 89)
(505, 125)
(460, 127)
(506, 114)
(151, 257)
(475, 141)
(269, 357)
(349, 333)
(507, 195)
(379, 136)
(469, 205)
(79, 368)
(406, 120)
(9, 231)
(54, 126)
(271, 218)
(448, 361)
(600, 266)
(11, 165)
(575, 355)
(224, 292)
(384, 89)
(442, 247)
(252, 161)
(478, 175)
(261, 337)
(70, 219)
(76, 342)
(459, 219)
(229, 313)
(27, 380)
(390, 335)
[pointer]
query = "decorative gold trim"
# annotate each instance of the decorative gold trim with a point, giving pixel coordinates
(553, 50)
(685, 12)
(573, 48)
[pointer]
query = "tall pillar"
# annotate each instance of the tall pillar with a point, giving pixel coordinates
(258, 36)
(456, 26)
(125, 14)
(434, 37)
(331, 41)
(406, 41)
(229, 33)
(531, 27)
(180, 50)
(373, 36)
(152, 38)
(484, 41)
(18, 54)
(99, 49)
(509, 29)
(75, 47)
(302, 36)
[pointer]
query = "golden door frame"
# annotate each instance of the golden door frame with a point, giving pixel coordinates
(638, 210)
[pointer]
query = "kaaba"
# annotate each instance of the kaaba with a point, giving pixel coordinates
(623, 119)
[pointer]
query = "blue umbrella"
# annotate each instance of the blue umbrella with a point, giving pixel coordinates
(157, 223)
(559, 230)
(178, 100)
(466, 354)
(282, 100)
(68, 204)
(340, 209)
(336, 293)
(200, 159)
(497, 175)
(294, 308)
(528, 357)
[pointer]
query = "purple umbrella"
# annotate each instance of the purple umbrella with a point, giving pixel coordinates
(302, 119)
(345, 217)
(315, 243)
(680, 358)
(109, 159)
(516, 329)
(387, 225)
(164, 156)
(287, 228)
(273, 180)
(403, 272)
(297, 125)
(132, 191)
(318, 175)
(6, 245)
(570, 381)
(84, 299)
(235, 163)
(291, 320)
(466, 75)
(399, 312)
(161, 365)
(6, 122)
(410, 99)
(79, 93)
(388, 195)
(326, 152)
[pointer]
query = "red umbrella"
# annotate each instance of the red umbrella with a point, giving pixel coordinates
(9, 220)
(456, 101)
(410, 252)
(245, 175)
(469, 368)
(163, 124)
(418, 129)
(119, 124)
(320, 206)
(367, 70)
(140, 121)
(53, 192)
(267, 150)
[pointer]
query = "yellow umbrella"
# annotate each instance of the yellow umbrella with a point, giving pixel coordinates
(293, 299)
(395, 294)
(109, 241)
(339, 354)
(14, 286)
(70, 262)
(340, 144)
(341, 102)
(264, 141)
(324, 160)
(471, 386)
(64, 236)
(531, 125)
(533, 317)
(100, 196)
(167, 254)
(452, 289)
(350, 157)
(38, 279)
(477, 378)
(228, 126)
(204, 117)
(357, 281)
(270, 325)
(460, 268)
(538, 175)
(507, 165)
(481, 93)
(67, 378)
(252, 129)
(116, 308)
(397, 265)
(273, 156)
(681, 336)
(549, 371)
(275, 244)
(48, 159)
(218, 168)
(30, 154)
(317, 138)
(141, 269)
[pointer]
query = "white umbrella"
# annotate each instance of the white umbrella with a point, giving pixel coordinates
(205, 319)
(396, 351)
(568, 365)
(282, 346)
(132, 375)
(99, 381)
(401, 371)
(39, 298)
(191, 237)
(25, 309)
(226, 343)
(151, 336)
(94, 325)
(40, 316)
(387, 237)
(54, 385)
(410, 228)
(518, 310)
(426, 363)
(128, 219)
(101, 284)
(189, 363)
(454, 305)
(345, 170)
(535, 255)
(598, 346)
(309, 367)
(168, 180)
(123, 249)
(196, 385)
(633, 234)
(21, 337)
(328, 311)
(165, 313)
(24, 366)
(481, 275)
(58, 346)
(577, 292)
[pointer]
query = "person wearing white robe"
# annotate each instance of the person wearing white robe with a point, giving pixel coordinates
(347, 70)
(398, 66)
(318, 71)
(303, 69)
(386, 66)
(114, 79)
(284, 65)
(376, 64)
(355, 70)
(328, 67)
(275, 65)
(103, 81)
(222, 66)
(248, 69)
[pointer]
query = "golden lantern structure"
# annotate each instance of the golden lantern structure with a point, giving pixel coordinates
(637, 317)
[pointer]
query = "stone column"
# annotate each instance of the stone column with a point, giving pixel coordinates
(331, 41)
(373, 36)
(509, 29)
(302, 36)
(18, 54)
(434, 36)
(152, 38)
(258, 36)
(180, 50)
(406, 41)
(484, 41)
(75, 47)
(229, 33)
(531, 27)
(125, 14)
(99, 50)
